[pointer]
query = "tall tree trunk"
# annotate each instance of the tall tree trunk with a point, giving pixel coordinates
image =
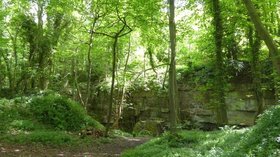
(255, 46)
(270, 43)
(220, 82)
(172, 70)
(41, 71)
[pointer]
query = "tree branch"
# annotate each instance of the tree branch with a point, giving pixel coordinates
(141, 72)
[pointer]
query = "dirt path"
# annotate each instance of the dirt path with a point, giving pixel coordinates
(112, 149)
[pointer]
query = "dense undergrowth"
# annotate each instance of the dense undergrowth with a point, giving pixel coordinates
(45, 118)
(51, 119)
(262, 140)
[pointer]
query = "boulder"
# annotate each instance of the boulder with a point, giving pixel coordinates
(149, 127)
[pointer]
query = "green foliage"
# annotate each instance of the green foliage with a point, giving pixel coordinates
(23, 125)
(189, 143)
(11, 112)
(21, 122)
(61, 113)
(169, 145)
(54, 138)
(178, 140)
(261, 140)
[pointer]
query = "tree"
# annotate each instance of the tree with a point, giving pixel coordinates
(1, 42)
(89, 58)
(255, 45)
(172, 91)
(115, 36)
(264, 34)
(219, 84)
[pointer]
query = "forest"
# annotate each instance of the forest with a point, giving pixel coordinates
(140, 78)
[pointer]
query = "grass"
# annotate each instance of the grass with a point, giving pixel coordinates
(55, 138)
(187, 144)
(261, 140)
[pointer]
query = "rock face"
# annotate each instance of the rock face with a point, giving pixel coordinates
(240, 101)
(194, 103)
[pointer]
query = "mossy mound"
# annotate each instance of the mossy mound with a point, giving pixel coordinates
(46, 118)
(61, 113)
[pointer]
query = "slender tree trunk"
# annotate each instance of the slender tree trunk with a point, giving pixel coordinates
(90, 46)
(16, 60)
(166, 71)
(120, 107)
(14, 68)
(116, 37)
(278, 24)
(76, 83)
(152, 64)
(111, 100)
(1, 67)
(144, 67)
(165, 77)
(270, 43)
(220, 78)
(9, 71)
(172, 69)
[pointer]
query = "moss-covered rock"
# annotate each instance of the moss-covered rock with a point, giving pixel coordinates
(149, 127)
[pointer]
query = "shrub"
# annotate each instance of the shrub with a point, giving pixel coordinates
(168, 145)
(178, 140)
(61, 113)
(9, 111)
(261, 139)
(23, 125)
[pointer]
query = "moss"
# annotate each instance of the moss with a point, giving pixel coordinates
(149, 127)
(61, 113)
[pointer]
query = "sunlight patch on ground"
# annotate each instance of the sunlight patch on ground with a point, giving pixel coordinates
(132, 139)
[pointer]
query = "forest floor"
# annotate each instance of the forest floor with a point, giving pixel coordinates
(114, 148)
